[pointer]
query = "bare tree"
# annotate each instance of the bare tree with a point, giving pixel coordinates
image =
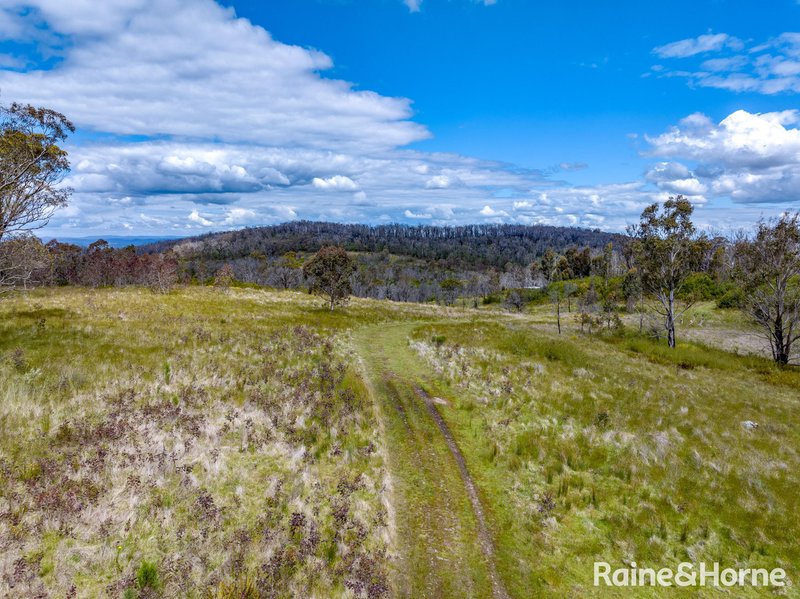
(162, 272)
(224, 277)
(556, 269)
(287, 271)
(556, 295)
(450, 288)
(666, 250)
(514, 300)
(570, 289)
(769, 267)
(24, 262)
(32, 165)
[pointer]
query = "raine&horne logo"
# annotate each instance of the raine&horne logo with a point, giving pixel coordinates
(688, 575)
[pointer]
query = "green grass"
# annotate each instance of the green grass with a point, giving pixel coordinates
(690, 355)
(621, 450)
(206, 443)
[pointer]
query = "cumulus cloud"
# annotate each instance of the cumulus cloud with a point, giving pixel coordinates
(675, 178)
(118, 181)
(771, 67)
(230, 125)
(489, 211)
(742, 139)
(192, 68)
(335, 183)
(610, 206)
(195, 217)
(416, 215)
(748, 157)
(439, 182)
(239, 216)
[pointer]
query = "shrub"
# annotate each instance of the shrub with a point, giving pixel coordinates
(438, 340)
(224, 277)
(700, 286)
(147, 576)
(241, 588)
(733, 298)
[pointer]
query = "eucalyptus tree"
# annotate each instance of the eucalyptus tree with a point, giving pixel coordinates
(666, 248)
(32, 167)
(769, 270)
(329, 271)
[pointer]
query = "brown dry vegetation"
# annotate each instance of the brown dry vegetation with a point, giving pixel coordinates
(174, 446)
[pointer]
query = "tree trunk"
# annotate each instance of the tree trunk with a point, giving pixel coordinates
(558, 316)
(781, 351)
(671, 320)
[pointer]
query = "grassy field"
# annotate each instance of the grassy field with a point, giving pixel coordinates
(210, 443)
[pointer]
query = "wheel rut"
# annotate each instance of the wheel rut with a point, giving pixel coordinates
(487, 547)
(442, 544)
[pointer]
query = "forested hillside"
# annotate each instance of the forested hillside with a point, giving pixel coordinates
(472, 247)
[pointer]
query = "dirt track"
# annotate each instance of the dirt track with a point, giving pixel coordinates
(498, 589)
(442, 543)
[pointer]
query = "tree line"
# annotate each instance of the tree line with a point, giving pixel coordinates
(468, 247)
(660, 268)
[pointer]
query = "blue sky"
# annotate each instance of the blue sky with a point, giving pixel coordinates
(194, 116)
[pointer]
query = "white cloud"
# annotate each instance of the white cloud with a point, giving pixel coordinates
(689, 187)
(335, 183)
(772, 67)
(741, 139)
(489, 211)
(732, 63)
(573, 166)
(152, 220)
(439, 182)
(611, 206)
(195, 217)
(192, 68)
(417, 216)
(697, 45)
(414, 5)
(239, 216)
(675, 178)
(748, 157)
(166, 179)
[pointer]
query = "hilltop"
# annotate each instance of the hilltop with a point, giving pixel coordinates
(468, 247)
